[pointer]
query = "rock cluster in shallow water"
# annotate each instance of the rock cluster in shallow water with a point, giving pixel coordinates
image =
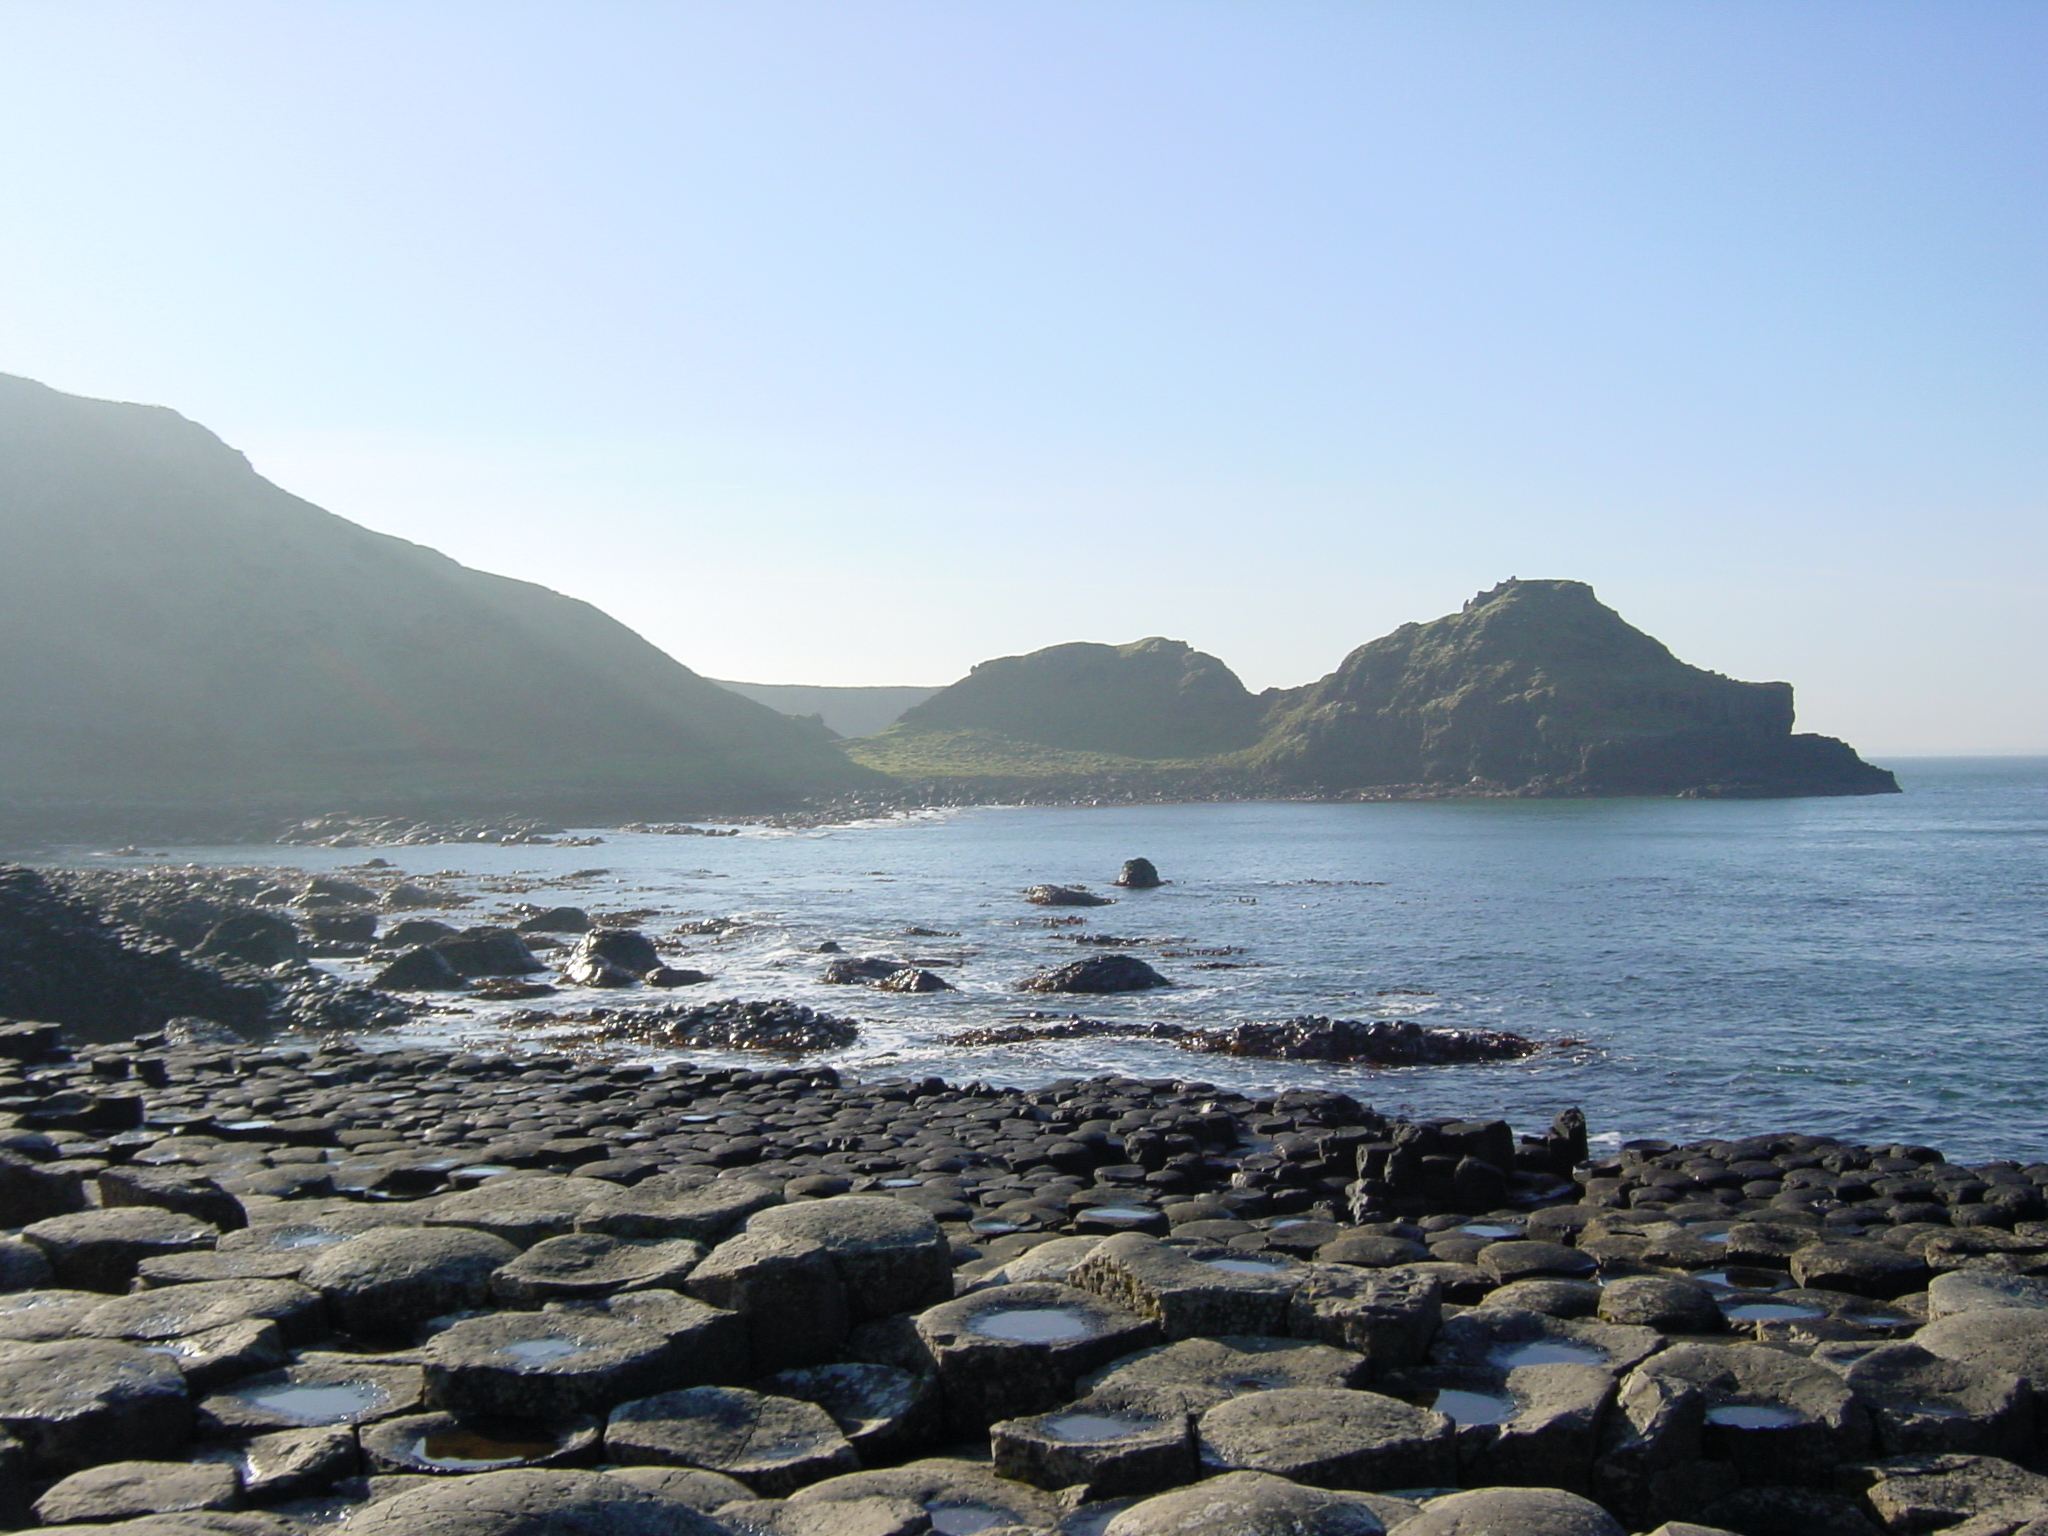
(420, 1291)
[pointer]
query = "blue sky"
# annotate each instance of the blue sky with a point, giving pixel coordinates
(857, 342)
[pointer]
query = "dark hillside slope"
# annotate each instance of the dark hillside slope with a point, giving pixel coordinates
(1149, 699)
(175, 630)
(1539, 688)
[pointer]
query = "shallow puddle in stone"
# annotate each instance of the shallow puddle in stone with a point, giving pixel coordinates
(539, 1351)
(1771, 1311)
(1091, 1427)
(1244, 1266)
(472, 1450)
(285, 1238)
(1031, 1325)
(1735, 1278)
(993, 1226)
(1493, 1229)
(1461, 1405)
(1549, 1352)
(964, 1519)
(1753, 1416)
(317, 1402)
(1118, 1213)
(1938, 1410)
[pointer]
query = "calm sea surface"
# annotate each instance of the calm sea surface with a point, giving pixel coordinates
(1874, 968)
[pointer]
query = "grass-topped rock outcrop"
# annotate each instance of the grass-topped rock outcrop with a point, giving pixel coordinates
(1532, 688)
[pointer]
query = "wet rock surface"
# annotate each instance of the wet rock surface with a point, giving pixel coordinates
(781, 1301)
(1096, 973)
(112, 954)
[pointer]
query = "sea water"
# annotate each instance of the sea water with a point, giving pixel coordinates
(1873, 968)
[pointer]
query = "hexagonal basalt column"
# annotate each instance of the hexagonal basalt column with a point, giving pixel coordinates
(547, 1365)
(1923, 1403)
(319, 1391)
(1489, 1340)
(587, 1266)
(443, 1444)
(1771, 1417)
(1533, 1425)
(1107, 1445)
(1194, 1293)
(774, 1445)
(1195, 1375)
(886, 1413)
(1388, 1316)
(1016, 1350)
(891, 1255)
(1340, 1439)
(73, 1403)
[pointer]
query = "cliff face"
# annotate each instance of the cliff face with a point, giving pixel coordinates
(1538, 687)
(1149, 699)
(174, 629)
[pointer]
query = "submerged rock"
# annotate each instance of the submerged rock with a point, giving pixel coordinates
(773, 1025)
(1064, 896)
(1380, 1042)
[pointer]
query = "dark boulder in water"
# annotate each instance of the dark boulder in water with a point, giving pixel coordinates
(423, 969)
(860, 970)
(1097, 973)
(1138, 875)
(910, 978)
(488, 952)
(611, 957)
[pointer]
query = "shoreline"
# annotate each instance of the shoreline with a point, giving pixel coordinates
(27, 831)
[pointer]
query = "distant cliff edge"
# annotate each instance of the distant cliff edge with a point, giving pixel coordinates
(1533, 688)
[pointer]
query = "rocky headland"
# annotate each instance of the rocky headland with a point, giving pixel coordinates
(1535, 688)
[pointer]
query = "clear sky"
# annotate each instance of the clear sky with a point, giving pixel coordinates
(856, 342)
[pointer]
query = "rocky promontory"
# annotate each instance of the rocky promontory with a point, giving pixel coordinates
(1534, 688)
